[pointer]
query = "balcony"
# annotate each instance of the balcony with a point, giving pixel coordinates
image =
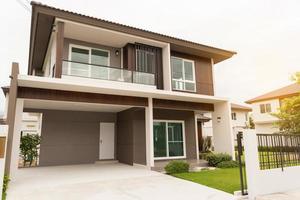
(109, 73)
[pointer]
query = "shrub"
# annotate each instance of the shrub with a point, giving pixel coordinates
(228, 164)
(29, 147)
(175, 167)
(203, 155)
(5, 186)
(214, 159)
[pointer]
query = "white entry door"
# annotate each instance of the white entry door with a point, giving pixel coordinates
(107, 141)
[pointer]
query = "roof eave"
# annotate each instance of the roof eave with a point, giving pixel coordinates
(218, 54)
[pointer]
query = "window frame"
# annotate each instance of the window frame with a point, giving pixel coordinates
(168, 157)
(136, 61)
(183, 71)
(263, 108)
(90, 57)
(233, 116)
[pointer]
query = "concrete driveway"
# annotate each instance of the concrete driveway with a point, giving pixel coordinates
(105, 181)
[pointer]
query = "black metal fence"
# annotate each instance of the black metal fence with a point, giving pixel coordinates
(240, 159)
(278, 150)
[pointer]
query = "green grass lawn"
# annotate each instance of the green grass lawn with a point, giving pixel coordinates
(227, 180)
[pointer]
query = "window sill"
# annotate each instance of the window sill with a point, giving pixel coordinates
(169, 158)
(186, 91)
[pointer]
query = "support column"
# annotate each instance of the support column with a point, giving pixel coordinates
(10, 111)
(14, 161)
(166, 54)
(222, 129)
(59, 49)
(149, 134)
(196, 132)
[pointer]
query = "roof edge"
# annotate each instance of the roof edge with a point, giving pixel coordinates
(223, 52)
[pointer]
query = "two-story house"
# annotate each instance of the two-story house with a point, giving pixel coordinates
(264, 105)
(108, 91)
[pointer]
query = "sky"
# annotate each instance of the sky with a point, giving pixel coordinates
(265, 34)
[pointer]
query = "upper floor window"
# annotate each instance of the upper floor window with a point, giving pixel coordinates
(81, 56)
(183, 74)
(233, 116)
(145, 61)
(265, 108)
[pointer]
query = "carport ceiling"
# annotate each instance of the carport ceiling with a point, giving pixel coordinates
(74, 106)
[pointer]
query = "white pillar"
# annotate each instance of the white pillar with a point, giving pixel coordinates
(149, 134)
(252, 162)
(16, 139)
(166, 54)
(222, 129)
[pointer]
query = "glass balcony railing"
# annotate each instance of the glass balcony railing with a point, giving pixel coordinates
(78, 69)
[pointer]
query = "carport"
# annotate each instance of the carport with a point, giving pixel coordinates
(105, 181)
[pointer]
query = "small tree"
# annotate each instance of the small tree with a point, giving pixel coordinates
(251, 124)
(29, 148)
(289, 115)
(289, 112)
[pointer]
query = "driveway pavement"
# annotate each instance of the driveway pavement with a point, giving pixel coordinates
(105, 181)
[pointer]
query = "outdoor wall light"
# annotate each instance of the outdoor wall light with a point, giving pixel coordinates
(219, 119)
(117, 52)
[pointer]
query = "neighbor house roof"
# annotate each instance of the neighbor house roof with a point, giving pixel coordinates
(280, 93)
(42, 23)
(235, 106)
(5, 89)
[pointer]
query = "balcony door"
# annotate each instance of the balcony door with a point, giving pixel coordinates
(88, 62)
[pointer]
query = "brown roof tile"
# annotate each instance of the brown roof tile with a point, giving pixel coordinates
(286, 91)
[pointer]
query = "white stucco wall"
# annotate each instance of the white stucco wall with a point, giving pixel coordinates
(240, 118)
(31, 123)
(265, 117)
(222, 129)
(267, 128)
(262, 182)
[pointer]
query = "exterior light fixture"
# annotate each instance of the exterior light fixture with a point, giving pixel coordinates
(117, 52)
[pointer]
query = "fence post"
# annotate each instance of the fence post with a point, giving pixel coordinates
(251, 161)
(3, 141)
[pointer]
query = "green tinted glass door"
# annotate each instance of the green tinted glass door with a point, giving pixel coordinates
(160, 139)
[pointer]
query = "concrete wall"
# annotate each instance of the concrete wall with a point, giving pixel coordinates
(131, 136)
(71, 137)
(190, 129)
(222, 129)
(262, 182)
(266, 128)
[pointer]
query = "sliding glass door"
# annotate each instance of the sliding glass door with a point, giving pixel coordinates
(168, 139)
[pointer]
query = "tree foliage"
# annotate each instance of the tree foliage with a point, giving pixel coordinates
(29, 147)
(289, 115)
(251, 124)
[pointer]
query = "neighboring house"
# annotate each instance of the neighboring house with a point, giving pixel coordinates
(264, 105)
(108, 91)
(31, 123)
(239, 120)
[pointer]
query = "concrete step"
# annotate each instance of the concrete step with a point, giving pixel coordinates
(106, 162)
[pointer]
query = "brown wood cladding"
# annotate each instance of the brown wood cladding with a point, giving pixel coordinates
(129, 57)
(59, 49)
(61, 95)
(182, 105)
(129, 61)
(203, 73)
